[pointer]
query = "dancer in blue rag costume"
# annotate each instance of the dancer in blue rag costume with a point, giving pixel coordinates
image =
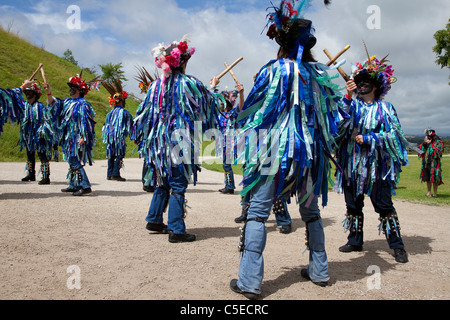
(289, 120)
(167, 129)
(226, 143)
(372, 150)
(37, 132)
(77, 129)
(116, 129)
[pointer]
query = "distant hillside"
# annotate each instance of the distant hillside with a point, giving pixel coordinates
(419, 139)
(18, 60)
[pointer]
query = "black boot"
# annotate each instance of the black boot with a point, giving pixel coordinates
(30, 167)
(243, 216)
(45, 170)
(400, 255)
(44, 181)
(185, 237)
(30, 177)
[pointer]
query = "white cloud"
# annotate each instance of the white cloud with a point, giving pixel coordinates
(126, 31)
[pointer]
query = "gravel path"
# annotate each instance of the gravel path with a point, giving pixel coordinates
(56, 246)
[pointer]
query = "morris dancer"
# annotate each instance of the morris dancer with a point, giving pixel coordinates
(77, 125)
(165, 134)
(228, 128)
(37, 133)
(371, 154)
(293, 110)
(116, 129)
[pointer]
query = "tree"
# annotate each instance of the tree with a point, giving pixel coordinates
(111, 70)
(442, 47)
(69, 57)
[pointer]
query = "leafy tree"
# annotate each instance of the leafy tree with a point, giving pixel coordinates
(111, 70)
(69, 57)
(442, 47)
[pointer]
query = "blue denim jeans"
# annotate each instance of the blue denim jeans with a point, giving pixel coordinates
(229, 182)
(284, 218)
(178, 184)
(74, 183)
(114, 166)
(251, 267)
(318, 261)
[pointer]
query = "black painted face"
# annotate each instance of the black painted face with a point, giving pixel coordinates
(365, 87)
(30, 95)
(73, 91)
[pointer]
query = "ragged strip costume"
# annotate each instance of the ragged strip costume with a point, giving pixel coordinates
(226, 143)
(373, 166)
(77, 129)
(145, 79)
(168, 130)
(288, 120)
(9, 108)
(37, 132)
(117, 127)
(431, 170)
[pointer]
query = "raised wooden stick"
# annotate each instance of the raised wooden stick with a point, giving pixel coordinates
(232, 74)
(34, 73)
(333, 61)
(230, 67)
(43, 75)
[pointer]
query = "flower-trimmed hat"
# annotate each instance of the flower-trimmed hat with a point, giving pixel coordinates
(430, 132)
(34, 88)
(114, 87)
(76, 82)
(173, 56)
(378, 71)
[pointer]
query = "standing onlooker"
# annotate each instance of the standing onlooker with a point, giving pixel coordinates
(431, 172)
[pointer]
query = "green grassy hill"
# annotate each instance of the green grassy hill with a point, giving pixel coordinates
(18, 60)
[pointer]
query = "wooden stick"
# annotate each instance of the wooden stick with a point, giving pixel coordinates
(230, 67)
(37, 70)
(340, 70)
(232, 74)
(43, 75)
(333, 60)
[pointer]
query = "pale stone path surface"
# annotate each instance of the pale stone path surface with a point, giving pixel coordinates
(46, 235)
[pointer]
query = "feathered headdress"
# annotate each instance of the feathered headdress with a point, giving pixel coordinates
(115, 89)
(377, 70)
(287, 26)
(144, 78)
(173, 56)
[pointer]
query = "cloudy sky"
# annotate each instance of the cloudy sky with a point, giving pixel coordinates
(224, 30)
